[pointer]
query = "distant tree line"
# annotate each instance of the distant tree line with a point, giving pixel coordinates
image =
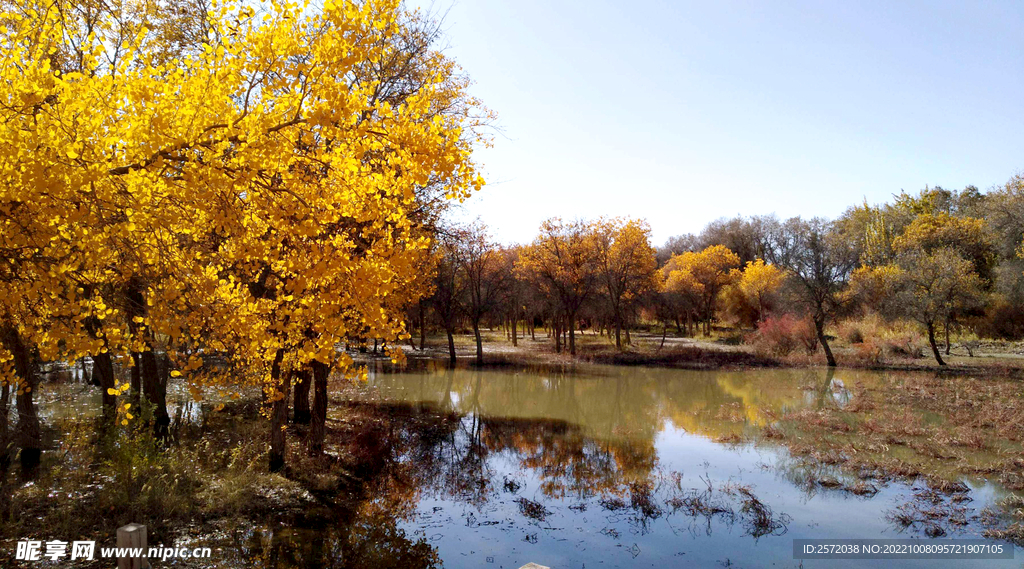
(944, 259)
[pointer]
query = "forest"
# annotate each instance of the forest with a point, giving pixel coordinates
(938, 265)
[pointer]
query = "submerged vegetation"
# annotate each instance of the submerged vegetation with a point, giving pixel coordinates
(935, 431)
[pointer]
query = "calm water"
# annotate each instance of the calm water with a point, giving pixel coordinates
(603, 467)
(609, 467)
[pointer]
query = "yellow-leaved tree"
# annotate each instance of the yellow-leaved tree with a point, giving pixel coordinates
(254, 189)
(759, 282)
(626, 265)
(703, 274)
(563, 260)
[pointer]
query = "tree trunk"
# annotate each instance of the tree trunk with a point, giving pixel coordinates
(572, 335)
(451, 345)
(318, 428)
(5, 441)
(423, 327)
(136, 378)
(946, 328)
(155, 390)
(300, 399)
(103, 371)
(935, 348)
(412, 342)
(515, 329)
(27, 433)
(103, 368)
(279, 413)
(618, 329)
(479, 342)
(146, 375)
(819, 327)
(88, 375)
(557, 330)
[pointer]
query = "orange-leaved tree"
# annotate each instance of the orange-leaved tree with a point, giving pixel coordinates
(626, 264)
(563, 259)
(703, 274)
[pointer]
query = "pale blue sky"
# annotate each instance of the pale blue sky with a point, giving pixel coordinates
(682, 112)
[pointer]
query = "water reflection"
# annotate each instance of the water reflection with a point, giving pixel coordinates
(600, 466)
(614, 403)
(369, 541)
(607, 467)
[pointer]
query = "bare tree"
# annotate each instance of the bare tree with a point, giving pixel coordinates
(820, 262)
(480, 262)
(448, 287)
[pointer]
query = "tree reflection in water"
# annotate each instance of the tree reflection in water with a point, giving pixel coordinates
(454, 451)
(463, 464)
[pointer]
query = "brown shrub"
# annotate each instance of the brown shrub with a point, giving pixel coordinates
(781, 335)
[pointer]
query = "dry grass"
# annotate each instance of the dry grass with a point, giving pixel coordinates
(759, 519)
(94, 486)
(934, 511)
(531, 509)
(901, 349)
(913, 421)
(914, 427)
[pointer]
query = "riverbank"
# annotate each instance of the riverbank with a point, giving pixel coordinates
(1002, 359)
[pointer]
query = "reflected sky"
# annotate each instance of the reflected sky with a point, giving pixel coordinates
(626, 467)
(594, 466)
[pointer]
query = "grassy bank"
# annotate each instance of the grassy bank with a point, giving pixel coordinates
(722, 350)
(930, 431)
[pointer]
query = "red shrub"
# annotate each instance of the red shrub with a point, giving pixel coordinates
(780, 335)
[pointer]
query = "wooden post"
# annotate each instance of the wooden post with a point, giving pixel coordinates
(132, 536)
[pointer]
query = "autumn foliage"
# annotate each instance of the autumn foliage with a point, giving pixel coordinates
(255, 191)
